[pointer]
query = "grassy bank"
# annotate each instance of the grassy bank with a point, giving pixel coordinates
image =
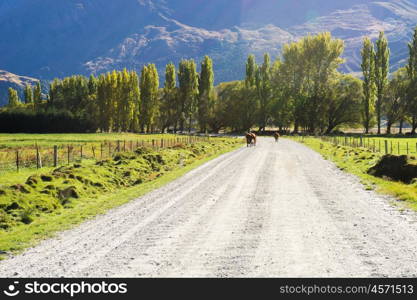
(358, 161)
(35, 206)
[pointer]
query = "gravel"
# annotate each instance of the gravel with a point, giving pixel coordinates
(275, 210)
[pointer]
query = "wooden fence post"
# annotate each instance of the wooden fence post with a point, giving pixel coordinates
(94, 151)
(386, 147)
(55, 156)
(17, 160)
(38, 158)
(101, 150)
(69, 154)
(81, 152)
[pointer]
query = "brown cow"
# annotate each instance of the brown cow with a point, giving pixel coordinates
(254, 139)
(276, 136)
(250, 139)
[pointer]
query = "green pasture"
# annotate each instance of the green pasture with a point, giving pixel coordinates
(44, 140)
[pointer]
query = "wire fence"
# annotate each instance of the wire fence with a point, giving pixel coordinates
(35, 156)
(376, 145)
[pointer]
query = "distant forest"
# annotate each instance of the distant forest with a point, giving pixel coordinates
(300, 91)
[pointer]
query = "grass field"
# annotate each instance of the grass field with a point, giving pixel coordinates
(36, 203)
(46, 140)
(31, 148)
(358, 160)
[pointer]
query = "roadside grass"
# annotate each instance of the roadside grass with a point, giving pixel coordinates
(358, 161)
(101, 186)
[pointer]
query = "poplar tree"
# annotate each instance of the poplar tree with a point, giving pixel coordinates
(37, 94)
(169, 108)
(251, 69)
(126, 105)
(412, 88)
(263, 87)
(134, 95)
(250, 102)
(28, 94)
(205, 97)
(92, 109)
(369, 87)
(188, 92)
(92, 85)
(149, 109)
(381, 74)
(113, 100)
(14, 100)
(102, 102)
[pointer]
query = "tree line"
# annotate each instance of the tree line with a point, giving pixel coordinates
(302, 90)
(121, 101)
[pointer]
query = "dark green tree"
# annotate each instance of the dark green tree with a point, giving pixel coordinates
(395, 102)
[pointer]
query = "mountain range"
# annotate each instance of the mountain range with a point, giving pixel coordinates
(49, 38)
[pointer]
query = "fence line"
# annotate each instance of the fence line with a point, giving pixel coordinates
(384, 146)
(61, 154)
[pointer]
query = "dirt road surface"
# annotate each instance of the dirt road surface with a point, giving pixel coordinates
(277, 210)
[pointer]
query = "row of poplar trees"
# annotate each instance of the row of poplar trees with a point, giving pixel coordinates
(123, 101)
(388, 98)
(32, 96)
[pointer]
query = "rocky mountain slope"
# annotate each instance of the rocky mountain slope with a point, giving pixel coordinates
(49, 38)
(17, 82)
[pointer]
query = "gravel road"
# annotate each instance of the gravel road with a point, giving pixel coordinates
(277, 210)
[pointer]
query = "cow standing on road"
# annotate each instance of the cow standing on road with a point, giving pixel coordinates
(276, 136)
(250, 139)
